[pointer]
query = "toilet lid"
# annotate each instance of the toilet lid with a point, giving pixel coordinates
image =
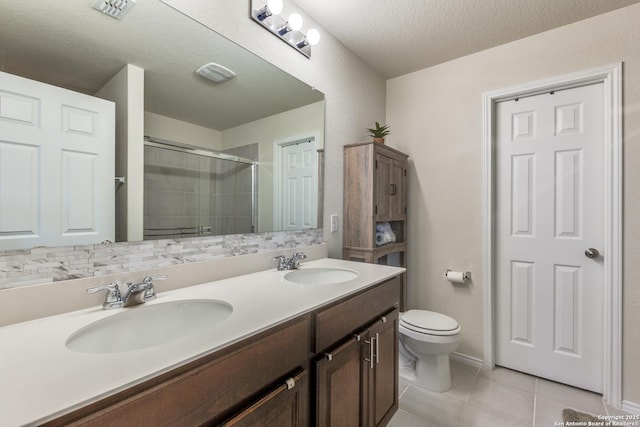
(428, 321)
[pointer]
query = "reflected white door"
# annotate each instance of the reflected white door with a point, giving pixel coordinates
(57, 157)
(299, 185)
(550, 210)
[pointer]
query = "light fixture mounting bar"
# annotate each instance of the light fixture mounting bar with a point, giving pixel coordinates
(274, 23)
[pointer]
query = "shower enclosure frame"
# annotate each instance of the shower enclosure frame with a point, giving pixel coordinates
(213, 154)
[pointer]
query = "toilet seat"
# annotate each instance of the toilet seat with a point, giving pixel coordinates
(429, 322)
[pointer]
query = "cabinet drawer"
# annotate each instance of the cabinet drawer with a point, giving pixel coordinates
(334, 323)
(205, 393)
(285, 406)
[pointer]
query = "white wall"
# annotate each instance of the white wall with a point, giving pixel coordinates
(168, 128)
(126, 89)
(355, 94)
(436, 117)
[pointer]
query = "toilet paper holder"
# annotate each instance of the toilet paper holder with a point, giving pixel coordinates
(455, 276)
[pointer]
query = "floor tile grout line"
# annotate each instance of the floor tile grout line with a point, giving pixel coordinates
(500, 411)
(475, 379)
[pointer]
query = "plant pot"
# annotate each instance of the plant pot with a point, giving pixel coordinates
(379, 140)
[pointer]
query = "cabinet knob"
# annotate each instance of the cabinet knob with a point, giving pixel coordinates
(383, 319)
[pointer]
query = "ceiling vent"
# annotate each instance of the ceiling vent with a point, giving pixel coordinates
(114, 8)
(215, 72)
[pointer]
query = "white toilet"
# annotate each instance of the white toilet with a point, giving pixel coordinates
(426, 339)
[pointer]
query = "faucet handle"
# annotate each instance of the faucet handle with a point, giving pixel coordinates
(150, 292)
(149, 279)
(282, 261)
(113, 298)
(296, 258)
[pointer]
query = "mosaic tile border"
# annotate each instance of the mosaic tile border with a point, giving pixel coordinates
(44, 264)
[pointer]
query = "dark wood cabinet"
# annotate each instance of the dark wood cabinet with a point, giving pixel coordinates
(357, 380)
(337, 364)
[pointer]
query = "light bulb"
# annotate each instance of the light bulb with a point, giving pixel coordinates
(313, 37)
(275, 6)
(295, 22)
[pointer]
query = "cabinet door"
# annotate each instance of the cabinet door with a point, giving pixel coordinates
(390, 189)
(398, 191)
(340, 385)
(383, 374)
(384, 173)
(286, 406)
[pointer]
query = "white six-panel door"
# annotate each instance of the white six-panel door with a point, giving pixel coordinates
(57, 157)
(299, 192)
(549, 211)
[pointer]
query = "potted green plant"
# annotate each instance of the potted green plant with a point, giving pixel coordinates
(379, 132)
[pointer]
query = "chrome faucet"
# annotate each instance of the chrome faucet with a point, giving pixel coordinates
(135, 294)
(292, 263)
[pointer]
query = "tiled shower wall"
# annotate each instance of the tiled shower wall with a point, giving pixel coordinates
(41, 265)
(190, 194)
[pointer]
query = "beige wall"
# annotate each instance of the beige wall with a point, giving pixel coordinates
(355, 95)
(164, 127)
(436, 117)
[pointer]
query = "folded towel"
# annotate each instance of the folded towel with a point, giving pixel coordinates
(384, 233)
(381, 238)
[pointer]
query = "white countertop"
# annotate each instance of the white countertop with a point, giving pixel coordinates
(40, 379)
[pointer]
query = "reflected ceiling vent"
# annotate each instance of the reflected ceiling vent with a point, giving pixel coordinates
(114, 8)
(215, 72)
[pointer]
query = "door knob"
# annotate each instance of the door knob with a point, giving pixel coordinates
(592, 253)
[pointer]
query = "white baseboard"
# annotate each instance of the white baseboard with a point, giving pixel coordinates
(631, 407)
(469, 360)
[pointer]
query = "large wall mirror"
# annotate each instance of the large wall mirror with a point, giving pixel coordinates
(217, 157)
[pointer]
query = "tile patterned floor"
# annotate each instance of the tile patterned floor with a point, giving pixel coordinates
(500, 398)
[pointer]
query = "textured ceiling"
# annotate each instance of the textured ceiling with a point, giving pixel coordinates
(397, 37)
(71, 45)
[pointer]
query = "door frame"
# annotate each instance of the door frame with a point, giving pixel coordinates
(611, 77)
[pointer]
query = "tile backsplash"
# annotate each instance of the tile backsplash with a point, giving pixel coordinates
(50, 264)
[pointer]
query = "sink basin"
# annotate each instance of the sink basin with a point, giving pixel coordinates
(321, 276)
(148, 326)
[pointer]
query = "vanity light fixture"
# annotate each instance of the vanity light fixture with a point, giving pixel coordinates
(215, 72)
(114, 8)
(288, 30)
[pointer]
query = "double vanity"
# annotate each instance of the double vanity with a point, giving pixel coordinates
(273, 347)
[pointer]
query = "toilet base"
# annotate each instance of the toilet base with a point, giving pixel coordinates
(432, 372)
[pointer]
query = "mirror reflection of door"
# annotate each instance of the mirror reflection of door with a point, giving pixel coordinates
(296, 185)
